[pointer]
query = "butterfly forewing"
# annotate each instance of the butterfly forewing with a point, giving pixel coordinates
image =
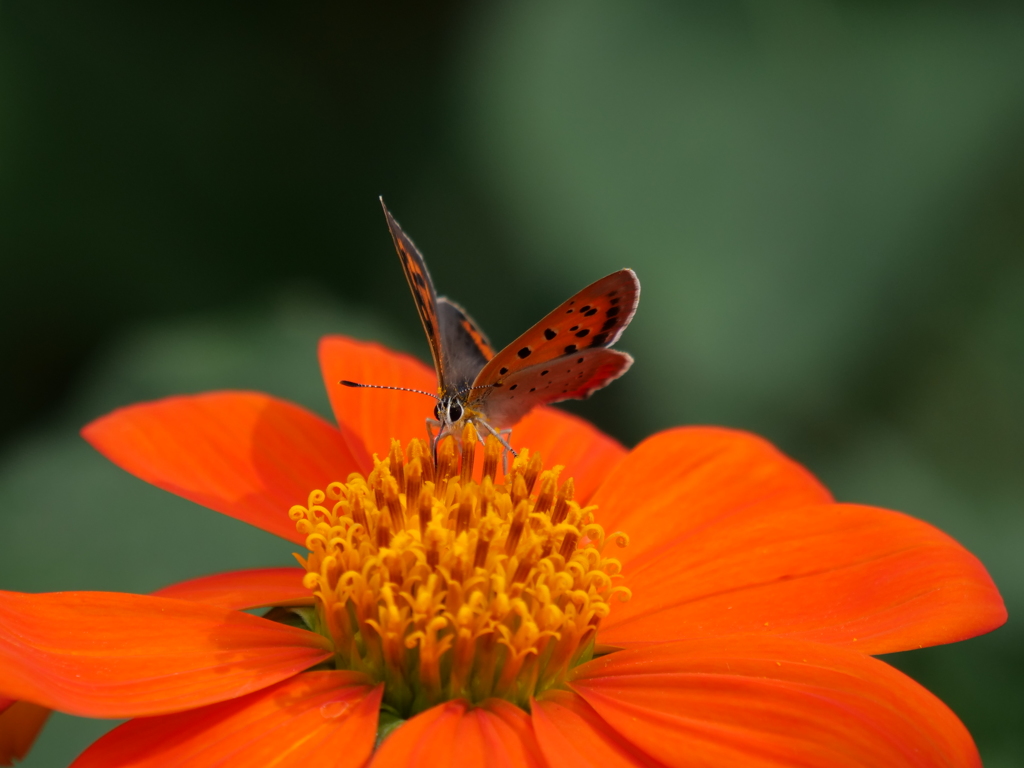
(423, 293)
(593, 318)
(465, 348)
(568, 377)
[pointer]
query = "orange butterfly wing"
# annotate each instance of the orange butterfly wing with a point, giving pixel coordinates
(594, 317)
(464, 347)
(468, 328)
(569, 377)
(423, 292)
(563, 357)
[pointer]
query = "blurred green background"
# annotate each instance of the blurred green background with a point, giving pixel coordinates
(824, 203)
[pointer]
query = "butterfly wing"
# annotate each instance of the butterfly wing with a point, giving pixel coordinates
(592, 319)
(466, 350)
(423, 293)
(568, 377)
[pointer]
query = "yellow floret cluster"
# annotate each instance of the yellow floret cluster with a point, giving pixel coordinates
(443, 586)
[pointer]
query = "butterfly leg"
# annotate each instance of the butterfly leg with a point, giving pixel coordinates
(443, 431)
(503, 435)
(434, 438)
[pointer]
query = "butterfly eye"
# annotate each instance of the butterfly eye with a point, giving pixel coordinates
(455, 410)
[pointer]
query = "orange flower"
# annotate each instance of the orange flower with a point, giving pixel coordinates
(481, 621)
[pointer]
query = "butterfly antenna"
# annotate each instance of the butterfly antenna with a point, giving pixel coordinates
(470, 389)
(355, 384)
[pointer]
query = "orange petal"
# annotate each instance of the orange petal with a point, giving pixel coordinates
(316, 718)
(241, 590)
(587, 453)
(457, 735)
(518, 740)
(682, 479)
(870, 579)
(573, 735)
(247, 455)
(771, 702)
(374, 416)
(20, 724)
(107, 654)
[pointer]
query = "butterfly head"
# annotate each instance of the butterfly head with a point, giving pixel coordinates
(449, 410)
(454, 410)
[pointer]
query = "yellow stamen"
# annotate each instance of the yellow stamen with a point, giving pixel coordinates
(442, 586)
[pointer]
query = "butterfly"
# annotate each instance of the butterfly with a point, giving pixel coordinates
(565, 356)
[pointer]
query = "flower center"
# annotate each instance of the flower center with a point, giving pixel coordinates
(442, 586)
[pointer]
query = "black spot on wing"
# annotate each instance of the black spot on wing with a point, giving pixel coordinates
(579, 361)
(544, 373)
(570, 349)
(583, 334)
(610, 323)
(590, 312)
(503, 371)
(513, 386)
(418, 279)
(613, 302)
(574, 328)
(612, 312)
(599, 339)
(550, 334)
(525, 352)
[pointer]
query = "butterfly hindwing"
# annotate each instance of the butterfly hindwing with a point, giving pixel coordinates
(465, 348)
(593, 318)
(423, 293)
(568, 377)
